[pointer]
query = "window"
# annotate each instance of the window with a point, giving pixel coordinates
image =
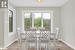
(47, 21)
(27, 21)
(10, 21)
(37, 20)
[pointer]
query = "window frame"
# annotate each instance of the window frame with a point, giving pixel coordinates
(12, 20)
(42, 11)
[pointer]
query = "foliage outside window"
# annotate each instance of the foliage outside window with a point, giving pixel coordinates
(27, 21)
(47, 21)
(47, 24)
(39, 20)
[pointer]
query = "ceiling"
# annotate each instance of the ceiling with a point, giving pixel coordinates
(34, 3)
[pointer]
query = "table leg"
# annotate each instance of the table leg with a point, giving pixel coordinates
(37, 43)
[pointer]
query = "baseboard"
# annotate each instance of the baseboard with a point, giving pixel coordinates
(10, 43)
(5, 47)
(67, 44)
(2, 48)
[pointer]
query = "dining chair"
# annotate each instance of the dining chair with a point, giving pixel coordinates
(31, 40)
(53, 41)
(27, 40)
(21, 41)
(44, 40)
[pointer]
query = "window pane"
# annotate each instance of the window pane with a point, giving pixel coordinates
(37, 19)
(47, 21)
(10, 21)
(27, 21)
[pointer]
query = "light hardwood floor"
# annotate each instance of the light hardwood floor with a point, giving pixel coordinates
(60, 45)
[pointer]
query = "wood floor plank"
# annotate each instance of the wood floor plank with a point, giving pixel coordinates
(60, 46)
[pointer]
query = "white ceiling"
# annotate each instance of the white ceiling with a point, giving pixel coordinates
(34, 3)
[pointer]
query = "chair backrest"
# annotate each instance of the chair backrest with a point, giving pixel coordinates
(33, 29)
(56, 31)
(53, 36)
(45, 34)
(41, 28)
(25, 35)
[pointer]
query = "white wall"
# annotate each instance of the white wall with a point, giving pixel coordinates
(19, 20)
(68, 23)
(6, 38)
(3, 13)
(10, 37)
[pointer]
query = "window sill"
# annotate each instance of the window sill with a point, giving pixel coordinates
(10, 33)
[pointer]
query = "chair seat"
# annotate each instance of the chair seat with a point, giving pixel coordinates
(43, 44)
(44, 41)
(32, 44)
(33, 40)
